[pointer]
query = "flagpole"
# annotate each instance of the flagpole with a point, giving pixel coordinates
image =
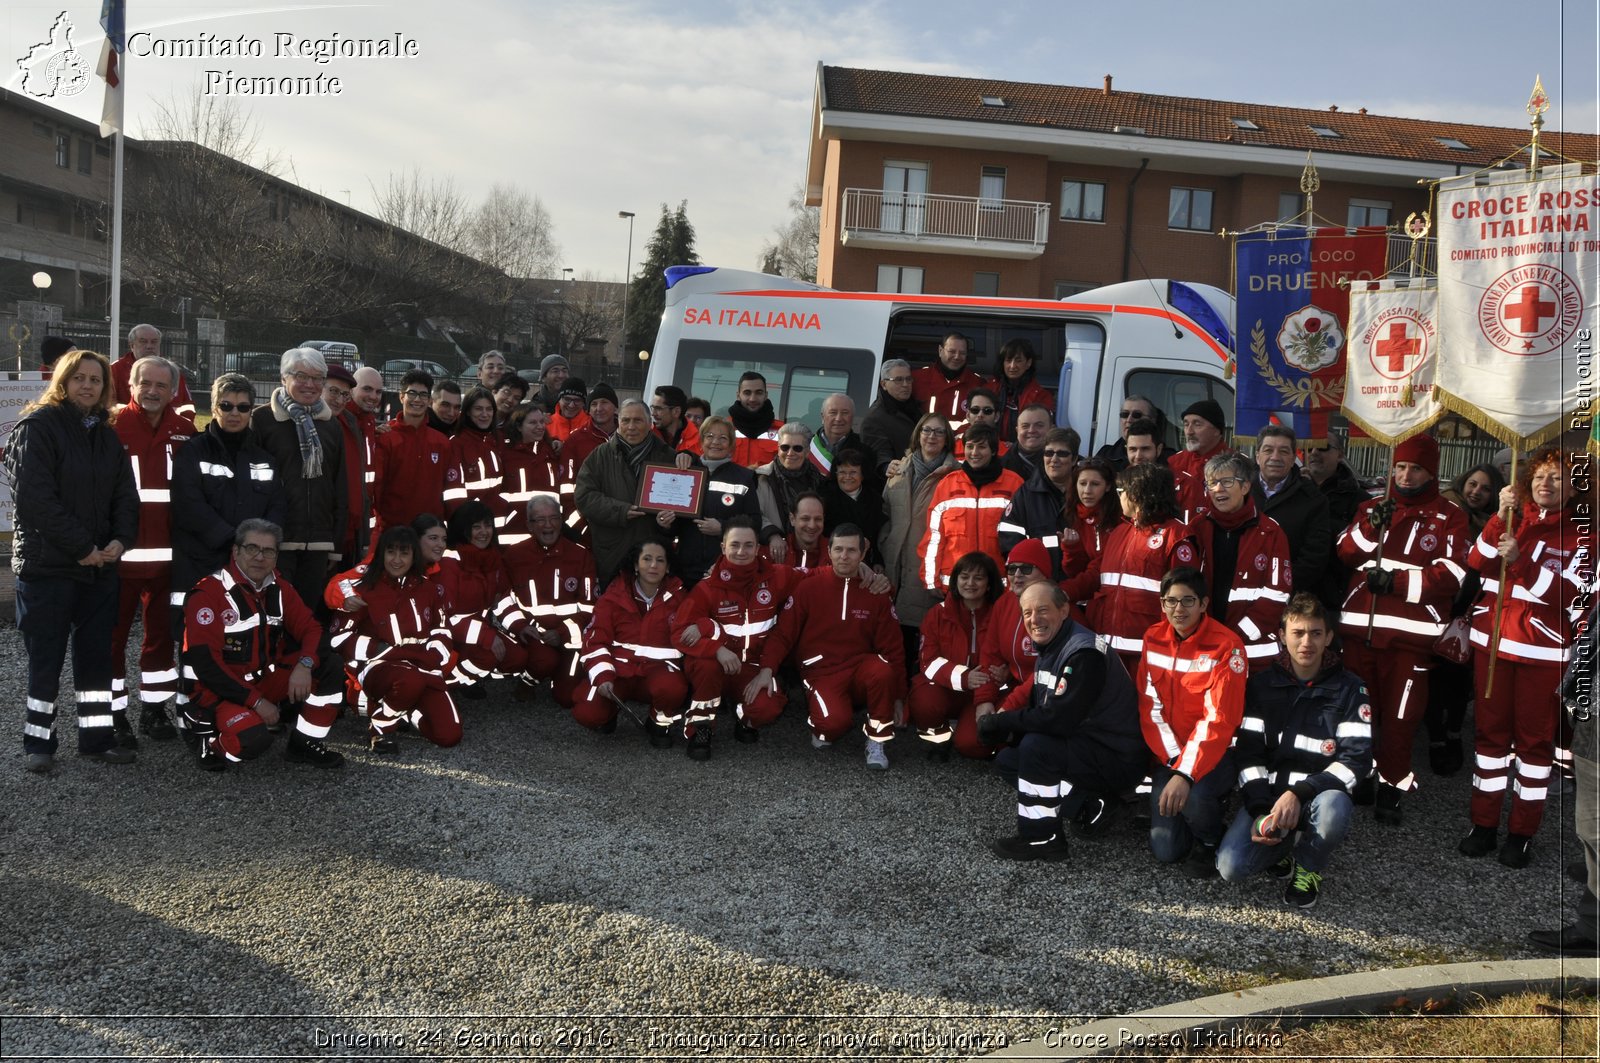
(112, 350)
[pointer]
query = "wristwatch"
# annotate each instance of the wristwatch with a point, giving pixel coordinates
(307, 663)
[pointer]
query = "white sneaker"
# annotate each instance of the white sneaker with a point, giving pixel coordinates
(877, 756)
(819, 743)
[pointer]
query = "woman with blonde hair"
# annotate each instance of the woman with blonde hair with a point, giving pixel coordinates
(906, 499)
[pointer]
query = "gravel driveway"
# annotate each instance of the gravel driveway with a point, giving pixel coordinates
(541, 890)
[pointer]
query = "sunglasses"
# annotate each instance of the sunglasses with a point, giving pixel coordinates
(790, 448)
(982, 410)
(230, 407)
(1019, 570)
(1058, 455)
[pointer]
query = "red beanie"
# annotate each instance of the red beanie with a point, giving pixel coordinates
(1420, 450)
(1031, 552)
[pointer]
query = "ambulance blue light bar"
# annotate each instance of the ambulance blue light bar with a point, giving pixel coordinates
(677, 273)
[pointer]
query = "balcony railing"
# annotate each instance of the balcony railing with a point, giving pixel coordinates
(958, 224)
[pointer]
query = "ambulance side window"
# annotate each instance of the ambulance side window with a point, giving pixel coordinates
(1175, 392)
(798, 378)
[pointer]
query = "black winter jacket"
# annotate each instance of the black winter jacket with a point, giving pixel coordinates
(317, 509)
(1305, 737)
(74, 493)
(1301, 509)
(214, 488)
(1034, 513)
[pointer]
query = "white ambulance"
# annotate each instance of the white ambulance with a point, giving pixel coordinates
(1164, 339)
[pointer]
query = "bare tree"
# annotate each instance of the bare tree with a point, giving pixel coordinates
(580, 314)
(793, 252)
(432, 209)
(510, 233)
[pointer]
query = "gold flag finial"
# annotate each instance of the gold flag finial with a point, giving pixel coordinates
(1417, 226)
(1309, 183)
(1538, 104)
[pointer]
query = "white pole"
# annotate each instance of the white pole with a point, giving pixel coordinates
(113, 351)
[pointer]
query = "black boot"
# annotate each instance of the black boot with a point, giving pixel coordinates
(1480, 841)
(1386, 805)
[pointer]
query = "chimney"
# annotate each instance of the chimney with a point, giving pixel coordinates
(1107, 90)
(1333, 106)
(1363, 110)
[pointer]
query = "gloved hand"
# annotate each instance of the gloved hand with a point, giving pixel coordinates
(1381, 514)
(1380, 580)
(993, 729)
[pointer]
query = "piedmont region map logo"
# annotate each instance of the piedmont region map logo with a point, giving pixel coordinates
(54, 67)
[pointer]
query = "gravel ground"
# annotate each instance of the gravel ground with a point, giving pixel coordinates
(544, 891)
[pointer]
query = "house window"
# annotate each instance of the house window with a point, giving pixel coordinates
(992, 187)
(1069, 288)
(85, 155)
(1291, 205)
(64, 151)
(986, 284)
(1083, 201)
(907, 279)
(1324, 131)
(1189, 208)
(1368, 212)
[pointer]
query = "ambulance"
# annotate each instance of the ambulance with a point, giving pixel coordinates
(1167, 340)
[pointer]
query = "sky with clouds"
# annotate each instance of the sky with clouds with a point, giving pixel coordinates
(608, 105)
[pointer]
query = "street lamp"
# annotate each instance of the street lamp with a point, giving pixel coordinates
(627, 278)
(41, 282)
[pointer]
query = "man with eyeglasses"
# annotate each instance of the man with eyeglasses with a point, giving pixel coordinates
(296, 427)
(1191, 683)
(152, 432)
(1035, 510)
(251, 650)
(550, 602)
(666, 410)
(1071, 735)
(1135, 408)
(1247, 558)
(943, 386)
(416, 458)
(886, 428)
(1291, 499)
(1033, 425)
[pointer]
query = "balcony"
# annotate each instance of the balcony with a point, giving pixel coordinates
(947, 225)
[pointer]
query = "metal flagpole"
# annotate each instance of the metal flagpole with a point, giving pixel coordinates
(112, 350)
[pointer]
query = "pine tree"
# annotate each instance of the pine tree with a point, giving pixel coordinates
(671, 245)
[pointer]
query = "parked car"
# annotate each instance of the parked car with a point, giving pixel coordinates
(395, 368)
(257, 365)
(337, 352)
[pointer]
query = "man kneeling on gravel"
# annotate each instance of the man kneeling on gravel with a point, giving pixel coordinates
(1075, 728)
(1303, 745)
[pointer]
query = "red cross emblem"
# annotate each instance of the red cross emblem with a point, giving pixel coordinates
(1530, 310)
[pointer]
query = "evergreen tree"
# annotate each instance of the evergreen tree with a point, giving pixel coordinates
(671, 245)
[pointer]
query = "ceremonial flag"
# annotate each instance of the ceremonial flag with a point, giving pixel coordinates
(1290, 311)
(1517, 282)
(113, 17)
(1394, 346)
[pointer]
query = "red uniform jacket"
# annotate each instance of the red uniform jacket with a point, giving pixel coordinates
(802, 560)
(1553, 570)
(1261, 581)
(1033, 392)
(415, 464)
(122, 388)
(1084, 542)
(963, 517)
(233, 631)
(829, 624)
(688, 438)
(952, 642)
(751, 451)
(1005, 642)
(361, 481)
(528, 469)
(552, 588)
(474, 580)
(626, 634)
(735, 606)
(561, 428)
(151, 450)
(1128, 577)
(578, 446)
(402, 624)
(1425, 546)
(476, 468)
(1191, 694)
(935, 392)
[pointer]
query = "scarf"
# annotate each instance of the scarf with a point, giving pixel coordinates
(713, 464)
(1236, 519)
(985, 476)
(910, 409)
(635, 453)
(304, 418)
(1416, 496)
(752, 424)
(921, 466)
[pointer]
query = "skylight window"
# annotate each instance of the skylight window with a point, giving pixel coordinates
(994, 101)
(1324, 131)
(1244, 123)
(1452, 143)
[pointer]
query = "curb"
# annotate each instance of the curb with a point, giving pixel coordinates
(1216, 1020)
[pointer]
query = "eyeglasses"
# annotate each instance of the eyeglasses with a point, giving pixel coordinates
(252, 551)
(230, 407)
(932, 430)
(420, 396)
(906, 379)
(1123, 415)
(1188, 601)
(1058, 455)
(981, 410)
(1020, 570)
(1224, 483)
(790, 448)
(307, 378)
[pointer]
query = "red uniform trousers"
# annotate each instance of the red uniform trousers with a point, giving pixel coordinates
(933, 707)
(709, 684)
(557, 664)
(1397, 682)
(241, 734)
(472, 636)
(400, 690)
(665, 688)
(150, 597)
(1516, 722)
(832, 699)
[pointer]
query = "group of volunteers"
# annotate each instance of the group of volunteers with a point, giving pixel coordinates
(1191, 631)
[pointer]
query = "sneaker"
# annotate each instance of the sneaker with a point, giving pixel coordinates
(744, 734)
(210, 758)
(153, 721)
(1480, 841)
(1283, 870)
(1302, 890)
(1093, 818)
(313, 751)
(699, 744)
(877, 756)
(819, 742)
(1051, 850)
(40, 763)
(120, 726)
(114, 755)
(1514, 853)
(660, 735)
(382, 744)
(1202, 861)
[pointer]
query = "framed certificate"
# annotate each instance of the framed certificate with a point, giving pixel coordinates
(667, 487)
